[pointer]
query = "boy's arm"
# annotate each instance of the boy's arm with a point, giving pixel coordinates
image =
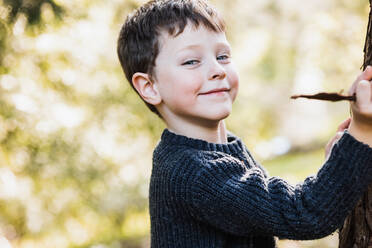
(361, 123)
(242, 201)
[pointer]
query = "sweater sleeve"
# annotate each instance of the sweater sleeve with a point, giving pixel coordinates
(243, 201)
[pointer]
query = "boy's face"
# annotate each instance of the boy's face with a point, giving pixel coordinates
(195, 76)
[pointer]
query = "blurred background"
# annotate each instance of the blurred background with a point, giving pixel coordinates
(76, 142)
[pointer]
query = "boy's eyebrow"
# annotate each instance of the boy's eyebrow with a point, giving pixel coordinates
(223, 45)
(190, 47)
(197, 46)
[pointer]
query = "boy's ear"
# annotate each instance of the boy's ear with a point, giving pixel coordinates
(146, 88)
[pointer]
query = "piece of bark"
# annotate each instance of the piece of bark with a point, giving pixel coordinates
(357, 228)
(333, 97)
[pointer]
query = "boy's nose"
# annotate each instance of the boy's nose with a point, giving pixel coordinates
(217, 72)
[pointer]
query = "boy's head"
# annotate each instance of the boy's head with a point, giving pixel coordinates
(139, 39)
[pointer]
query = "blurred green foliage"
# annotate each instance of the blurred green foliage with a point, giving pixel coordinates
(76, 142)
(31, 8)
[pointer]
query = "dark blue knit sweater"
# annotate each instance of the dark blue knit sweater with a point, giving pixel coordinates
(216, 195)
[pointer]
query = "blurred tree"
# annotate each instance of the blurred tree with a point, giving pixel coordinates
(31, 9)
(76, 142)
(56, 178)
(357, 229)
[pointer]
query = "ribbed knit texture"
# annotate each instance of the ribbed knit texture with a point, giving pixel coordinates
(216, 195)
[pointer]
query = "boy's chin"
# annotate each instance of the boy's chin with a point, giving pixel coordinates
(219, 116)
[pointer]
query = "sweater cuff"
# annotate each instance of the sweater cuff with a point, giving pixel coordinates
(354, 141)
(349, 147)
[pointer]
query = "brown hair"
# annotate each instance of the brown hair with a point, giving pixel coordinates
(138, 43)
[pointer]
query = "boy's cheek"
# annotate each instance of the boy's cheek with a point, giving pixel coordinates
(234, 84)
(234, 93)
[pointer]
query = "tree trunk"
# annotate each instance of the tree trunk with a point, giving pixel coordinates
(357, 229)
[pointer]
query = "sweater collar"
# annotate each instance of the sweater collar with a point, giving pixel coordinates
(233, 145)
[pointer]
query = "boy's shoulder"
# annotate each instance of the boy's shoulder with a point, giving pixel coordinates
(169, 151)
(184, 144)
(183, 151)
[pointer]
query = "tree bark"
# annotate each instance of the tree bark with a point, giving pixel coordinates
(356, 231)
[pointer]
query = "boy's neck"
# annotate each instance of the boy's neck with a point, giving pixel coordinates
(215, 133)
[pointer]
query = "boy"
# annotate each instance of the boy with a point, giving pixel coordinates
(206, 190)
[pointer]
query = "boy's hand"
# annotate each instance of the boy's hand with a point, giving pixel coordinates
(361, 123)
(340, 131)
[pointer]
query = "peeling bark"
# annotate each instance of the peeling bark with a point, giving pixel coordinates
(356, 231)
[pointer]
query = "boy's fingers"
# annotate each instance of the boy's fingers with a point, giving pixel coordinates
(365, 75)
(336, 138)
(340, 131)
(331, 143)
(344, 125)
(363, 92)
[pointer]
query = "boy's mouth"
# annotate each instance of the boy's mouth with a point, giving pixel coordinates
(215, 91)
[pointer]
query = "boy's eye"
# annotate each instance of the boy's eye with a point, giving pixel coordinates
(191, 62)
(223, 57)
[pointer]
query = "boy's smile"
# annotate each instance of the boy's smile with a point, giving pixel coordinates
(195, 77)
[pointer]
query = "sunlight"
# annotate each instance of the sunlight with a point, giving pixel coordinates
(8, 184)
(4, 243)
(24, 103)
(77, 142)
(277, 146)
(8, 82)
(67, 116)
